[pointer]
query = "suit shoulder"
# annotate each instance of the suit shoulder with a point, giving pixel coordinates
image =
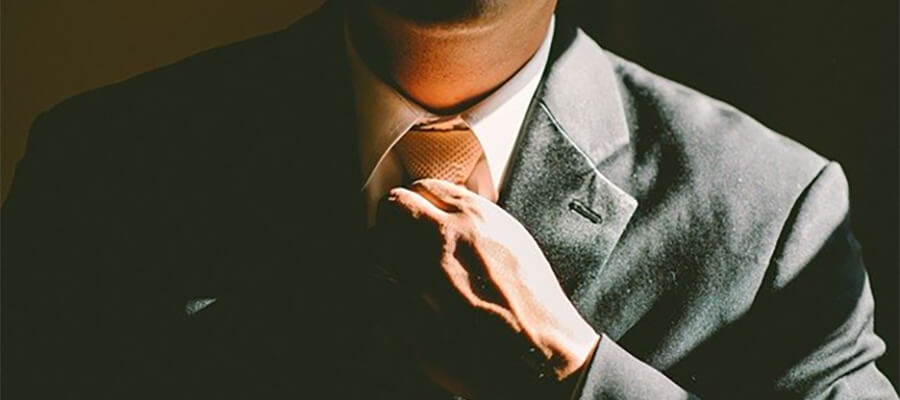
(170, 115)
(201, 77)
(713, 168)
(720, 148)
(227, 77)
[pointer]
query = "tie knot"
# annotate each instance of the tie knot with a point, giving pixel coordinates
(446, 150)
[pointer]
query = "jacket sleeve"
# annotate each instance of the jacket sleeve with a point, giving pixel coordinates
(45, 303)
(812, 320)
(38, 311)
(75, 323)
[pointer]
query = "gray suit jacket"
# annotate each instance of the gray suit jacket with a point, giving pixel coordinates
(160, 239)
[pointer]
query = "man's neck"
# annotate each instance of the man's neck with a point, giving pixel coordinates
(446, 69)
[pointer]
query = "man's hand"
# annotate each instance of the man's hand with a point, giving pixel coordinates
(477, 269)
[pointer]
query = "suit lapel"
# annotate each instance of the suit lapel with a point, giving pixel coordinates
(553, 186)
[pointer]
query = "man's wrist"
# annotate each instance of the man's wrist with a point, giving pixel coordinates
(570, 386)
(576, 381)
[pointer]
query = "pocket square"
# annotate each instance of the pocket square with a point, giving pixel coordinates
(192, 306)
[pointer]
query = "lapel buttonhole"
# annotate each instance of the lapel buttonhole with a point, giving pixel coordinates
(585, 211)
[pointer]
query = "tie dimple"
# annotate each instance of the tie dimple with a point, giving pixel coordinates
(433, 151)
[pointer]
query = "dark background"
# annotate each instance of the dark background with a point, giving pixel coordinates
(823, 72)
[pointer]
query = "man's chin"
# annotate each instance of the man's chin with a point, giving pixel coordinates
(442, 12)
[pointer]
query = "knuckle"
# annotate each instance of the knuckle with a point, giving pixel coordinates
(470, 206)
(428, 184)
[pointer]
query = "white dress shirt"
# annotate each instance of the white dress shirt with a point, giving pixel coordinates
(383, 115)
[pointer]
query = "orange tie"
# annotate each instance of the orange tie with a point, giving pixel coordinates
(446, 150)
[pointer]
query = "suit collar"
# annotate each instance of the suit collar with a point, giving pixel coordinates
(581, 93)
(554, 187)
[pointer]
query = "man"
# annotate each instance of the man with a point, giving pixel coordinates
(397, 200)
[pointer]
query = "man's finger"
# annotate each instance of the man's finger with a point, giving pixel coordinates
(447, 196)
(419, 207)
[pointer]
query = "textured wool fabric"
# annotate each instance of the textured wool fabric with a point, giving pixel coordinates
(714, 254)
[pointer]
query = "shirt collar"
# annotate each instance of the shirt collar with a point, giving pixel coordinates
(383, 115)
